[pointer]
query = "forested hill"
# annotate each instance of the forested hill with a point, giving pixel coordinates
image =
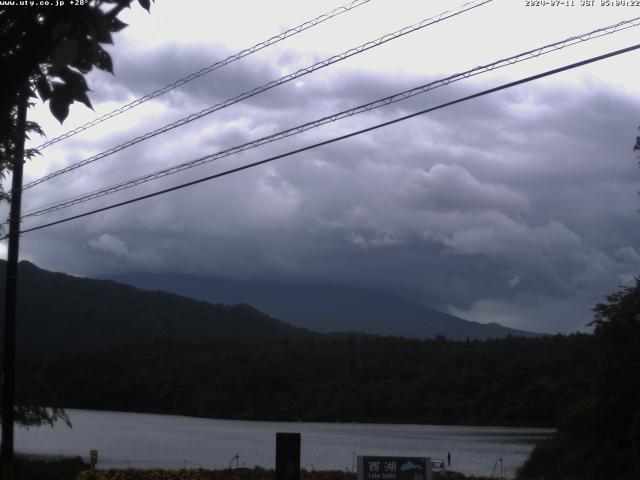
(326, 308)
(60, 312)
(57, 311)
(502, 382)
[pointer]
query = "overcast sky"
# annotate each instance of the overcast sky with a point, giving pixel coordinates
(519, 207)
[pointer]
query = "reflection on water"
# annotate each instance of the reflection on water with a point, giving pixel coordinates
(142, 440)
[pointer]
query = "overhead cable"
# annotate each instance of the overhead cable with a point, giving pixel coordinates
(520, 57)
(203, 71)
(337, 139)
(267, 86)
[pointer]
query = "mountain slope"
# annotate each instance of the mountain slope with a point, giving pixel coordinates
(325, 308)
(58, 311)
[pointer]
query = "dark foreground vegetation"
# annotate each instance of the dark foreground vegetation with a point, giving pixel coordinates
(76, 469)
(599, 436)
(238, 474)
(512, 381)
(62, 469)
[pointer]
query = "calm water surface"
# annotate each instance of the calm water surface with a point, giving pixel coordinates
(142, 440)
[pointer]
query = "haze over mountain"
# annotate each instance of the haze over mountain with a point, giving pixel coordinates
(57, 311)
(325, 308)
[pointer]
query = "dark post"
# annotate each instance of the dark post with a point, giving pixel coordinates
(9, 353)
(287, 456)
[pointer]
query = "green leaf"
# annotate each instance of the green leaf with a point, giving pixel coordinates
(61, 98)
(102, 30)
(87, 49)
(60, 29)
(31, 152)
(59, 107)
(43, 87)
(74, 79)
(103, 61)
(76, 86)
(83, 63)
(34, 127)
(82, 97)
(117, 24)
(64, 54)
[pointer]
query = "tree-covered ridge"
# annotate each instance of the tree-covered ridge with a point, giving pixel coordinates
(82, 313)
(61, 312)
(507, 382)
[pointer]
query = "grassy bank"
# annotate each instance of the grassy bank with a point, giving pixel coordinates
(76, 469)
(229, 474)
(48, 469)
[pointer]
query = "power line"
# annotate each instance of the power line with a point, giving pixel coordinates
(267, 86)
(534, 53)
(342, 137)
(203, 71)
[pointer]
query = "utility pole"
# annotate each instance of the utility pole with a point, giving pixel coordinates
(9, 352)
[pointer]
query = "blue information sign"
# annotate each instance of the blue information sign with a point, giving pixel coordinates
(393, 468)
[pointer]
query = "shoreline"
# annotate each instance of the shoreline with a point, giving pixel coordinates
(444, 423)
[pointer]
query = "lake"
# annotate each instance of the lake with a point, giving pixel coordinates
(168, 441)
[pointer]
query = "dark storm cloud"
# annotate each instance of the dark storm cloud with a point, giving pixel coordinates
(142, 72)
(519, 207)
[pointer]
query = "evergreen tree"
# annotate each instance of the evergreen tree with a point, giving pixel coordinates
(600, 437)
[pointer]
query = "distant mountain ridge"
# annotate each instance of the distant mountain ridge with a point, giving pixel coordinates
(57, 312)
(326, 308)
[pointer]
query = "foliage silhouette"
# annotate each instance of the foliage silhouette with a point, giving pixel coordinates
(599, 437)
(49, 50)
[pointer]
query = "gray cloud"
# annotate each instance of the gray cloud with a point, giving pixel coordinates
(519, 207)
